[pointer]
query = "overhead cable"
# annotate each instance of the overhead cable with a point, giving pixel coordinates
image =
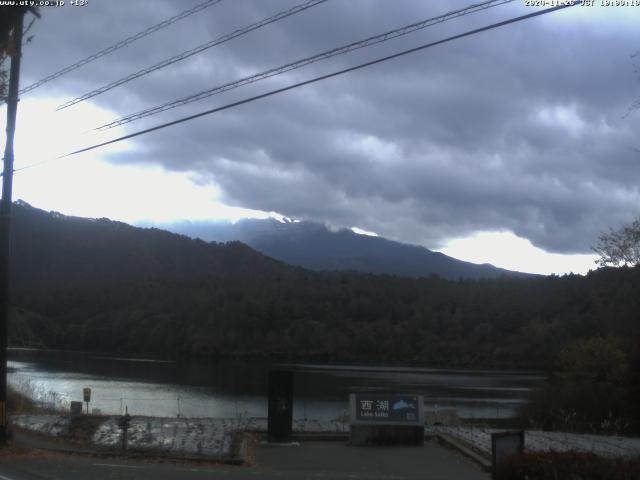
(194, 51)
(324, 77)
(305, 61)
(120, 44)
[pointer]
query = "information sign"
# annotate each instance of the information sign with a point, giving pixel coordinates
(386, 409)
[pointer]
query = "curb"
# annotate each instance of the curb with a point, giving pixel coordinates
(321, 437)
(484, 462)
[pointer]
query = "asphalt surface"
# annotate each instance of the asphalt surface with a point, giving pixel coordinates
(311, 460)
(336, 460)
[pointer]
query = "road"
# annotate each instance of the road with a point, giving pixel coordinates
(311, 460)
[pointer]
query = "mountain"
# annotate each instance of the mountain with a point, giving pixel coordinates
(313, 246)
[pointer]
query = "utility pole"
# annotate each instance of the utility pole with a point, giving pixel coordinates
(5, 217)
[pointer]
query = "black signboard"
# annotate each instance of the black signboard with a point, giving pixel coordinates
(76, 409)
(279, 429)
(387, 409)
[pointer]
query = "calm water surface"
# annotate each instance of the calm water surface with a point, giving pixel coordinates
(238, 388)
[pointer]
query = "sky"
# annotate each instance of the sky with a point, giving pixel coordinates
(515, 146)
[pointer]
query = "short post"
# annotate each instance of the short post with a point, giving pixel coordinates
(124, 424)
(503, 445)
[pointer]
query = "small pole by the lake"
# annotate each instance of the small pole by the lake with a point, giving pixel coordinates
(124, 425)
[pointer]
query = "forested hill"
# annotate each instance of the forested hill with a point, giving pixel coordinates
(54, 251)
(105, 286)
(312, 245)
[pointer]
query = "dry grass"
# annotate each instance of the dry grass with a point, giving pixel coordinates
(30, 398)
(18, 403)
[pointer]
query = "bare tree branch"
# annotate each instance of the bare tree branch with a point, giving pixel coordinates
(620, 247)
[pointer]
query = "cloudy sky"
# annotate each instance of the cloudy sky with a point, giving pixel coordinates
(513, 146)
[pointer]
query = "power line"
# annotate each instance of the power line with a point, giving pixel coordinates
(307, 82)
(324, 77)
(122, 43)
(194, 51)
(383, 37)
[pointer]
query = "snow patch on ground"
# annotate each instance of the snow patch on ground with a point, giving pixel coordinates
(54, 425)
(207, 437)
(299, 426)
(185, 436)
(607, 446)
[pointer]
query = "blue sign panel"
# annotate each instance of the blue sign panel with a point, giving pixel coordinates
(388, 409)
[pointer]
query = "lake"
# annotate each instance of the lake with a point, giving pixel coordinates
(234, 389)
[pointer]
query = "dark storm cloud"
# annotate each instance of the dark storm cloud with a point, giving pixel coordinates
(520, 128)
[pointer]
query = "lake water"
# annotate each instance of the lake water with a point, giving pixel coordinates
(238, 388)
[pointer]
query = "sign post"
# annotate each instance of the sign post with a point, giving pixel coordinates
(86, 393)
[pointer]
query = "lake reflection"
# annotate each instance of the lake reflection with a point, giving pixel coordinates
(238, 388)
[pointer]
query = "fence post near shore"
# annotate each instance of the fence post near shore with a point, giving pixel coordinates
(124, 425)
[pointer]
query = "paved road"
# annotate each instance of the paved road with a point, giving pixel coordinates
(312, 460)
(81, 468)
(335, 460)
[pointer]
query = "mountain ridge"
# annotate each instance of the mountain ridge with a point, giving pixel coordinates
(313, 246)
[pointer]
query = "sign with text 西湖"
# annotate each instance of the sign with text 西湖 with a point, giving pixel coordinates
(386, 409)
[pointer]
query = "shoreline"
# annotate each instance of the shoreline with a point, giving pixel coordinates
(295, 364)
